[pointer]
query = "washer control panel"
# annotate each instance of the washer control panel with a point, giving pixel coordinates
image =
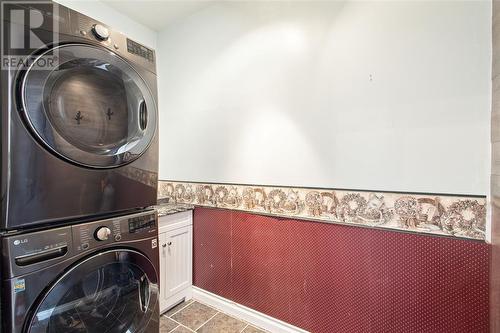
(39, 249)
(88, 236)
(141, 224)
(36, 250)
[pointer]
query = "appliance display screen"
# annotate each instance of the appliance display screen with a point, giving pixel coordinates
(142, 222)
(140, 50)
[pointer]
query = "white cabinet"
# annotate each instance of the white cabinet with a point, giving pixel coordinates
(176, 258)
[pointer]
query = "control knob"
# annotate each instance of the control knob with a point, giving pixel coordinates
(102, 233)
(100, 31)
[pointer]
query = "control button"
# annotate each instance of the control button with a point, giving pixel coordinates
(102, 233)
(83, 32)
(85, 246)
(118, 237)
(116, 46)
(100, 31)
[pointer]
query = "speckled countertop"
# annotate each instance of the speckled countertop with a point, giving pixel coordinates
(168, 208)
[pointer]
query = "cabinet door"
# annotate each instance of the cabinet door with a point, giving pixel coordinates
(163, 270)
(179, 259)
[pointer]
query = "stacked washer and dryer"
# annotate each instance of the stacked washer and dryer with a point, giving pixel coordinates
(79, 169)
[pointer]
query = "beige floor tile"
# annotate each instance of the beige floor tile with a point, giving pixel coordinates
(167, 324)
(194, 315)
(181, 329)
(222, 323)
(178, 307)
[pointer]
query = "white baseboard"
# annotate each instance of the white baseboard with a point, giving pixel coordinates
(242, 312)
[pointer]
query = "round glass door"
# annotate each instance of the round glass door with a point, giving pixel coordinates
(112, 292)
(93, 109)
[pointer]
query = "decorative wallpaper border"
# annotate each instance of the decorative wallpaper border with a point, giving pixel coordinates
(459, 216)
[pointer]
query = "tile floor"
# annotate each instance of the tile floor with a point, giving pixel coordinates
(193, 316)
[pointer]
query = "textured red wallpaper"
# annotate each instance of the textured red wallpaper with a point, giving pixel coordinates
(329, 278)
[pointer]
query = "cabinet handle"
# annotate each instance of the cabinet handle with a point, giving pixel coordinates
(169, 243)
(164, 245)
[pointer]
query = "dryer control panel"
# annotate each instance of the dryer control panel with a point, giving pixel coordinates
(90, 29)
(140, 50)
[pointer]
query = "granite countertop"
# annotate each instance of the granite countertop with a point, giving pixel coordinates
(168, 208)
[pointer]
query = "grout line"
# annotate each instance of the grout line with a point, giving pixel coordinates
(173, 329)
(207, 320)
(191, 301)
(180, 324)
(230, 315)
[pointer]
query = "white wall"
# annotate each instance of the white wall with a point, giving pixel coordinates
(109, 16)
(364, 95)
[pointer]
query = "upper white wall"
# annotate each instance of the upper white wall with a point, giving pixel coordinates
(109, 16)
(363, 95)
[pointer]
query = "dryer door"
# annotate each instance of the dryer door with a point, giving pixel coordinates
(113, 291)
(93, 109)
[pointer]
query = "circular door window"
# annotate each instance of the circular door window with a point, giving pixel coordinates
(93, 109)
(113, 292)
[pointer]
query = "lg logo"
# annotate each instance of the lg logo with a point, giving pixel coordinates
(20, 241)
(27, 26)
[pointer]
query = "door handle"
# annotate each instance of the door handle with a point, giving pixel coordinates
(143, 115)
(41, 256)
(143, 294)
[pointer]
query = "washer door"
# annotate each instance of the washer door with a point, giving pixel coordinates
(113, 291)
(93, 109)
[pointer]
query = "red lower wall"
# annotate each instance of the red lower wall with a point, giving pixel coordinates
(333, 278)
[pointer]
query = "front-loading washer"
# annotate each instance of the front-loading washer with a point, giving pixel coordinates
(95, 277)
